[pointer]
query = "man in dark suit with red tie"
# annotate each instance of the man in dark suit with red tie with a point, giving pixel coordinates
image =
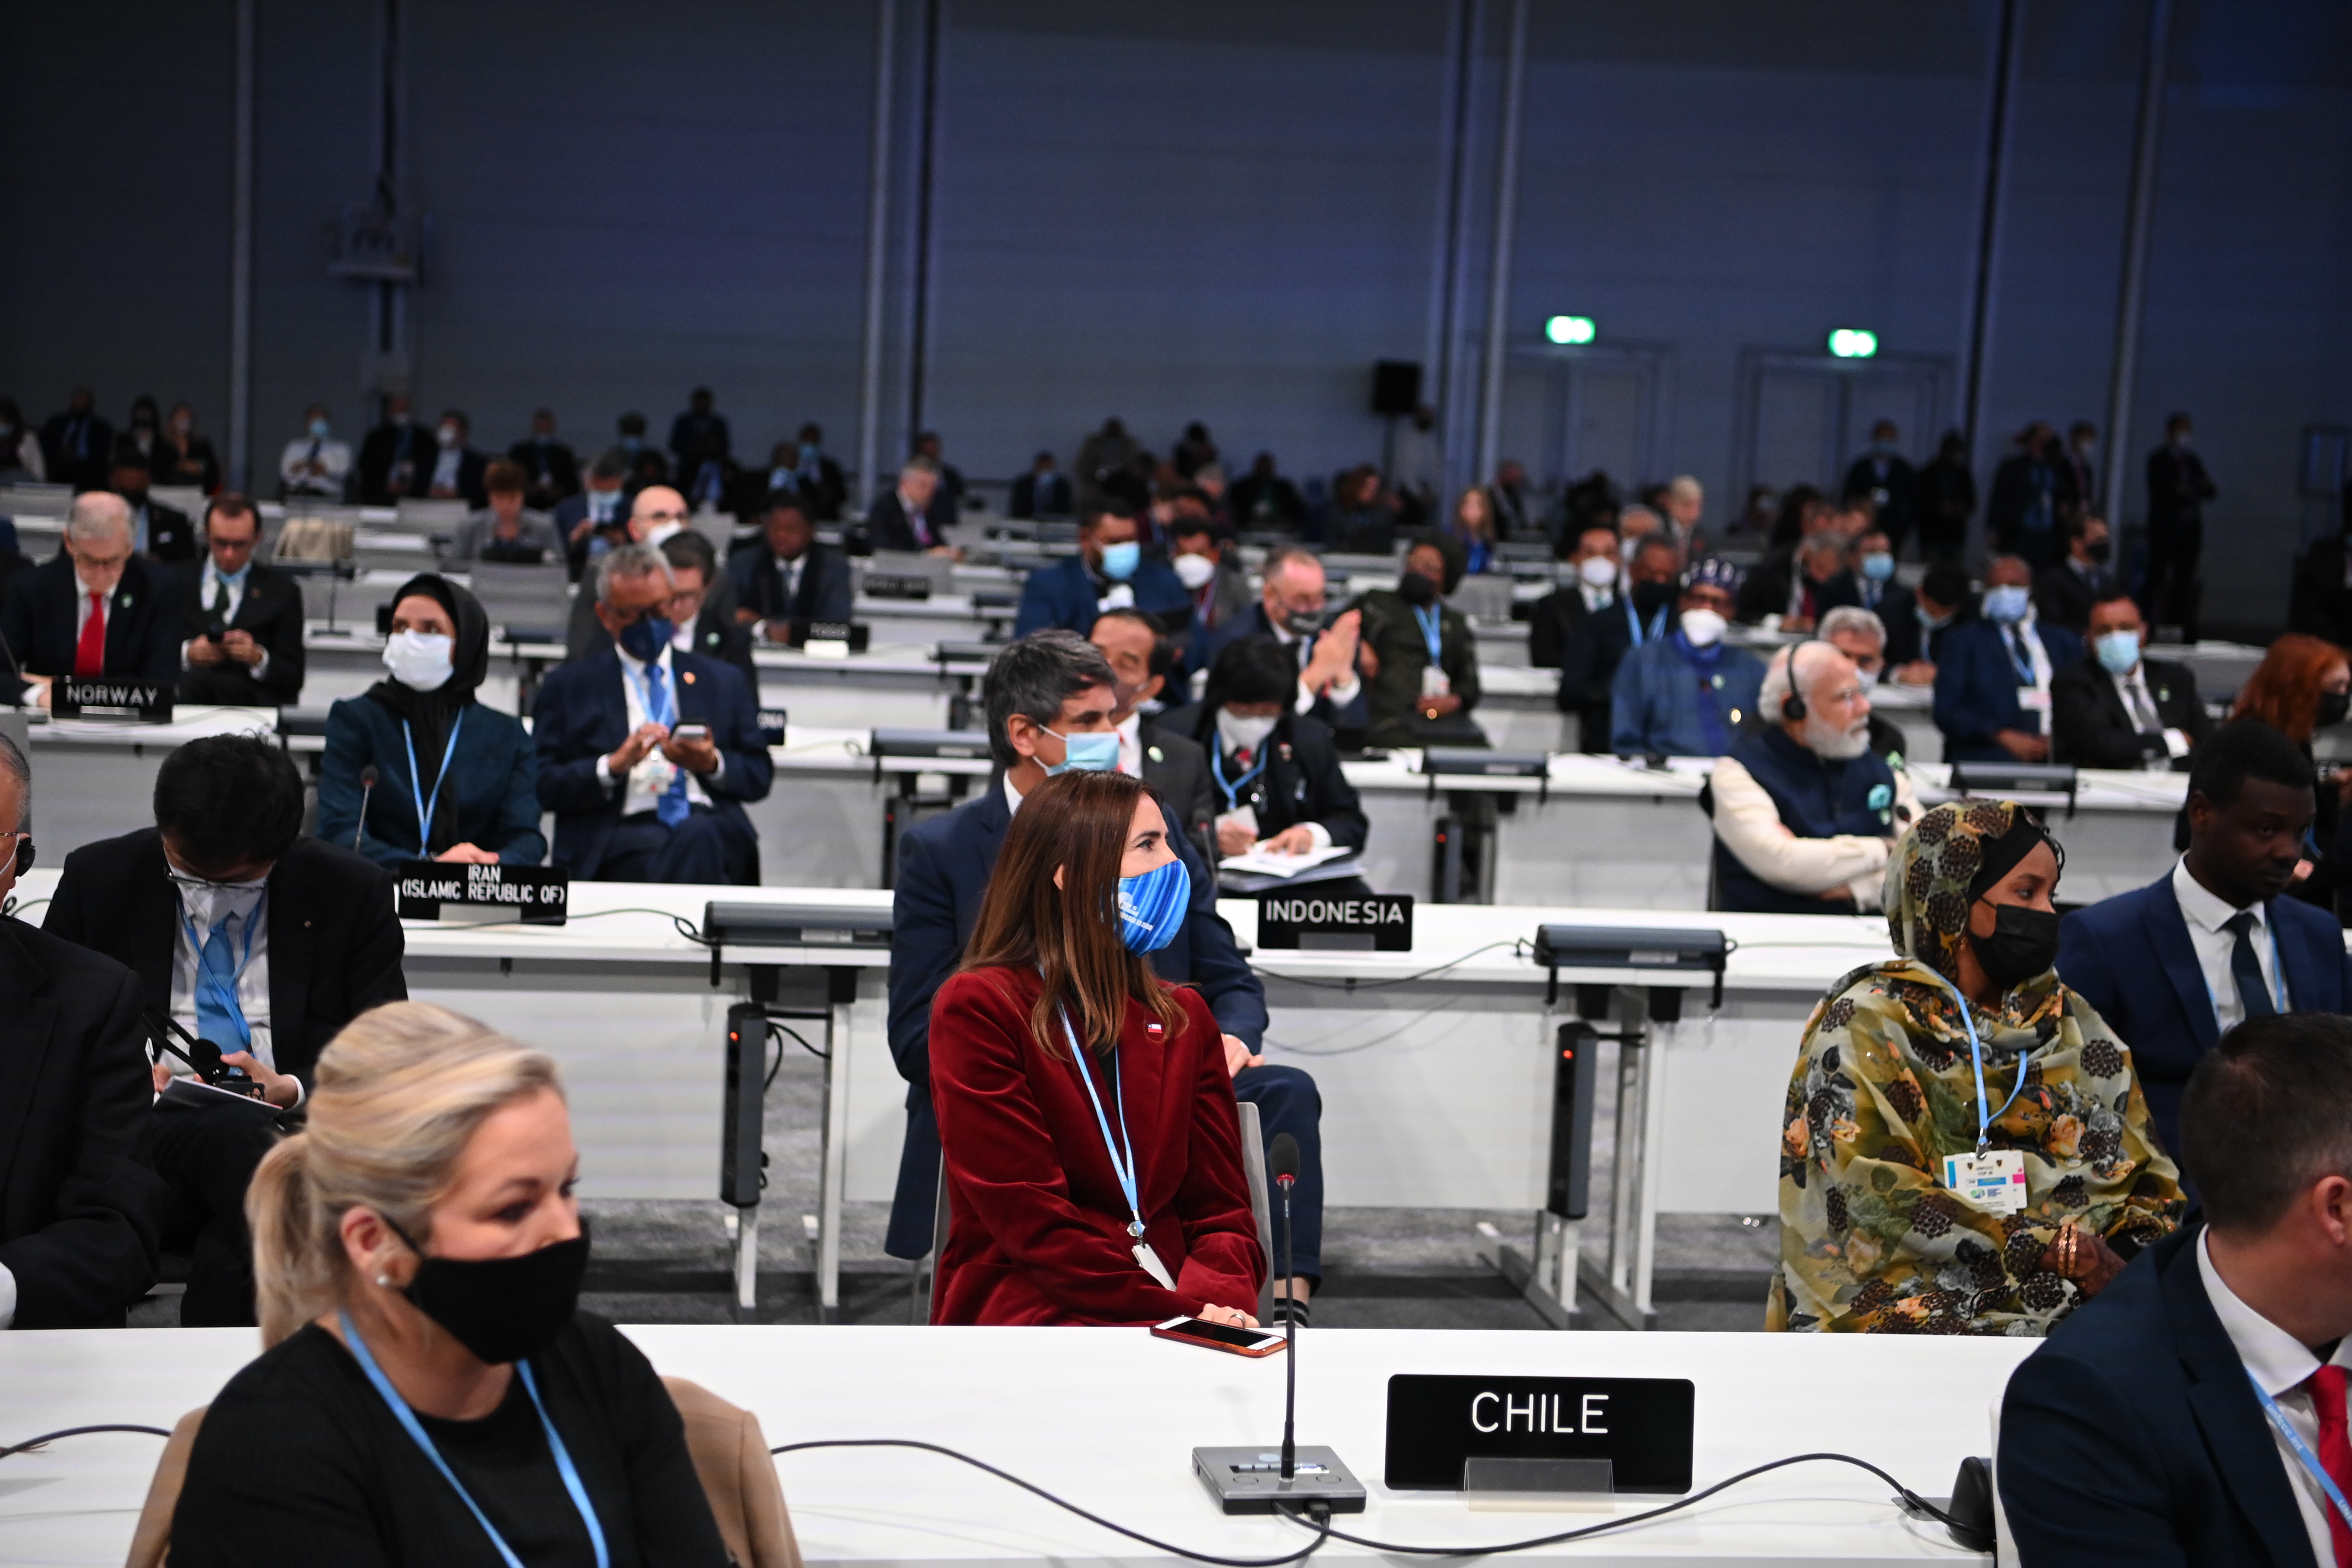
(96, 611)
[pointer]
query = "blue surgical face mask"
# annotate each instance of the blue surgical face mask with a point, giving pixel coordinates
(1878, 565)
(1928, 622)
(644, 639)
(1120, 561)
(2007, 603)
(1151, 907)
(319, 428)
(1088, 754)
(2119, 651)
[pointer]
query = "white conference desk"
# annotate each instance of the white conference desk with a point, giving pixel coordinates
(1108, 1418)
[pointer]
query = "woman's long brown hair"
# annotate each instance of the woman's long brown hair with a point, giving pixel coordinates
(2283, 691)
(1076, 823)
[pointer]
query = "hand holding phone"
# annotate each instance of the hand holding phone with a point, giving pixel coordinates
(1224, 1336)
(690, 734)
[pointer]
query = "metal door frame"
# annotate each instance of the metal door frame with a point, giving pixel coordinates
(1561, 463)
(1939, 371)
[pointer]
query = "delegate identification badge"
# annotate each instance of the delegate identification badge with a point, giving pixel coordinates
(1995, 1182)
(1148, 1260)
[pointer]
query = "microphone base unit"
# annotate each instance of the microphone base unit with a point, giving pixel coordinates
(1249, 1479)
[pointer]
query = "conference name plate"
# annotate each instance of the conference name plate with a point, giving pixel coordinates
(73, 697)
(447, 890)
(1309, 921)
(1642, 1426)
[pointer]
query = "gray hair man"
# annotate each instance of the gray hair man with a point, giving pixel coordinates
(1806, 814)
(95, 611)
(648, 752)
(1291, 609)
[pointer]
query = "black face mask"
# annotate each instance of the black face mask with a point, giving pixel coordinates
(2023, 943)
(1649, 598)
(1417, 589)
(2335, 707)
(2101, 551)
(501, 1308)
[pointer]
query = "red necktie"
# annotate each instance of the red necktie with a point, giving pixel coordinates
(2326, 1387)
(89, 653)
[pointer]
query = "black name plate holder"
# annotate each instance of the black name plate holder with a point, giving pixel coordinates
(448, 890)
(74, 698)
(1642, 1426)
(1311, 921)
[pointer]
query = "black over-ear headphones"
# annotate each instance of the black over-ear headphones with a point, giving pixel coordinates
(23, 856)
(1792, 707)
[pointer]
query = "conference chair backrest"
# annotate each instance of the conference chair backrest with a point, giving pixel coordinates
(730, 1459)
(313, 539)
(938, 569)
(430, 516)
(1261, 1204)
(189, 499)
(521, 598)
(1485, 597)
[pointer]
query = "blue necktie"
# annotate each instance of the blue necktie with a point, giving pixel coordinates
(670, 808)
(220, 1015)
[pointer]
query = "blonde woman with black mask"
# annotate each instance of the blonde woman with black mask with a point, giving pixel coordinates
(429, 1394)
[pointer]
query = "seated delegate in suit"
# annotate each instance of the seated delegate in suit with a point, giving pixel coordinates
(242, 621)
(428, 1390)
(78, 1198)
(1143, 656)
(2084, 576)
(699, 623)
(1872, 1237)
(314, 464)
(1043, 491)
(2174, 964)
(1861, 635)
(95, 610)
(1805, 812)
(2116, 709)
(1110, 572)
(1275, 771)
(1212, 577)
(2194, 1413)
(914, 515)
(589, 520)
(1419, 659)
(1994, 673)
(1049, 699)
(248, 935)
(505, 530)
(1684, 694)
(456, 779)
(553, 468)
(654, 516)
(1056, 1014)
(1592, 620)
(787, 575)
(1292, 610)
(160, 532)
(636, 800)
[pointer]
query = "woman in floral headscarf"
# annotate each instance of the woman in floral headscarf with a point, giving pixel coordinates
(1871, 1238)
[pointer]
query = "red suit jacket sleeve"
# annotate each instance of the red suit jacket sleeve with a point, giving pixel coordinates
(1039, 1226)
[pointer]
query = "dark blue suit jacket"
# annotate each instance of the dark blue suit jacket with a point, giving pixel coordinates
(143, 624)
(582, 715)
(492, 787)
(759, 583)
(1064, 595)
(1976, 687)
(2129, 957)
(944, 864)
(1210, 644)
(2133, 1437)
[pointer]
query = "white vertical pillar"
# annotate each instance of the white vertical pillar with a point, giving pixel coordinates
(1506, 205)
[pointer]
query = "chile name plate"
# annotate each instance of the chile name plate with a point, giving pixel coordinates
(1641, 1425)
(481, 895)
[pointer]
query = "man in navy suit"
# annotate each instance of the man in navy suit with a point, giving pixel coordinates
(94, 610)
(1290, 610)
(2173, 966)
(914, 514)
(2153, 1426)
(1994, 673)
(1110, 572)
(788, 576)
(1043, 694)
(639, 796)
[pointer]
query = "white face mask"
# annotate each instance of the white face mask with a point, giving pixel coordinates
(1237, 733)
(1598, 572)
(419, 661)
(1704, 628)
(660, 533)
(1193, 571)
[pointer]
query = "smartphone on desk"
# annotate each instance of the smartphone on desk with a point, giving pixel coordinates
(1220, 1336)
(689, 733)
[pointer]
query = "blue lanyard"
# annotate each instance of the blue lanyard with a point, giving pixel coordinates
(225, 991)
(426, 804)
(1976, 1058)
(563, 1465)
(1233, 790)
(1125, 1172)
(1634, 622)
(2309, 1460)
(1431, 624)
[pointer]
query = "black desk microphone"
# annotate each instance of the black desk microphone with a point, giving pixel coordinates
(367, 789)
(1282, 1164)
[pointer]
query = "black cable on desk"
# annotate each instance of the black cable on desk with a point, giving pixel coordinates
(29, 1444)
(1324, 1532)
(1513, 943)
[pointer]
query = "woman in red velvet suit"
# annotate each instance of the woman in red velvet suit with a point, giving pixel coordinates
(1093, 1157)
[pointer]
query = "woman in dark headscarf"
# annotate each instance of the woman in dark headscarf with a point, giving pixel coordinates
(467, 773)
(1967, 1047)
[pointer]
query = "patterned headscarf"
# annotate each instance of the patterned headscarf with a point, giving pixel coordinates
(1931, 877)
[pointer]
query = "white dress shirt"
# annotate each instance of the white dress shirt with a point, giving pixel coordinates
(1130, 745)
(1342, 691)
(649, 780)
(444, 468)
(2037, 706)
(294, 465)
(204, 908)
(2281, 1365)
(2205, 914)
(1596, 599)
(2140, 703)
